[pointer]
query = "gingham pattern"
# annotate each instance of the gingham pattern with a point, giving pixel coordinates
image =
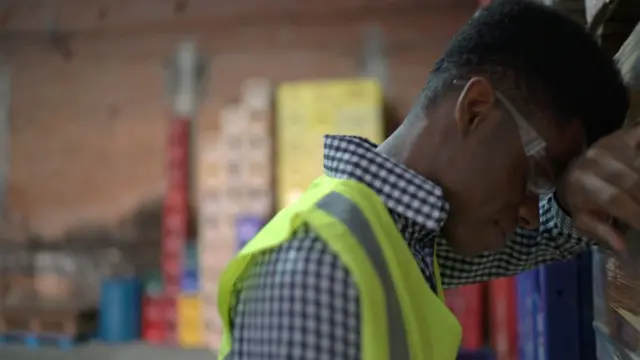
(298, 302)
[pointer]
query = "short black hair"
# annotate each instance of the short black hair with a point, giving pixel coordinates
(547, 59)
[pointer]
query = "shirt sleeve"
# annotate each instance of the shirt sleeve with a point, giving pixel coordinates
(554, 239)
(297, 302)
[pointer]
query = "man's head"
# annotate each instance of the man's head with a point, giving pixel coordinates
(519, 93)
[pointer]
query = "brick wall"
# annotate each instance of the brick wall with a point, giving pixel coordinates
(88, 133)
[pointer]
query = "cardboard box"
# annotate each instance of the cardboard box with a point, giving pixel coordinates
(212, 322)
(215, 258)
(211, 175)
(232, 122)
(211, 203)
(190, 282)
(258, 120)
(154, 329)
(308, 110)
(189, 307)
(191, 335)
(257, 174)
(247, 227)
(257, 93)
(235, 180)
(260, 203)
(190, 324)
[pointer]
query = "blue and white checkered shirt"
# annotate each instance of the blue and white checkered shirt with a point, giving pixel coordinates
(299, 302)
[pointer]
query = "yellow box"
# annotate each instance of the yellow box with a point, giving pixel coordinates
(305, 111)
(189, 308)
(191, 335)
(190, 325)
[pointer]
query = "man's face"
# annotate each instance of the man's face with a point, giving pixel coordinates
(503, 164)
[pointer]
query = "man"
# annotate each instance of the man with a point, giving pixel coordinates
(511, 154)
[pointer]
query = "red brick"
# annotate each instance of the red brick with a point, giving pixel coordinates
(89, 135)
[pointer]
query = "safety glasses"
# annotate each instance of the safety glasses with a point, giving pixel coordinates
(533, 146)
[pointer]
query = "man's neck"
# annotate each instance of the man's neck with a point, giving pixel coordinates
(399, 145)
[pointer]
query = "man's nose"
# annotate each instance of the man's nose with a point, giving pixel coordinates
(528, 212)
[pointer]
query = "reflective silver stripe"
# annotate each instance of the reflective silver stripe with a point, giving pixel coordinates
(348, 212)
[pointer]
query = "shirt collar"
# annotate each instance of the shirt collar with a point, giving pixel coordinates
(402, 190)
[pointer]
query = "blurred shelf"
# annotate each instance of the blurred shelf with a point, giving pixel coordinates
(97, 351)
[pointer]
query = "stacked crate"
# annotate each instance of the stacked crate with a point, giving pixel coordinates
(186, 75)
(190, 324)
(308, 110)
(235, 190)
(175, 221)
(153, 322)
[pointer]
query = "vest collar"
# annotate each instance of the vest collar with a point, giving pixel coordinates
(402, 190)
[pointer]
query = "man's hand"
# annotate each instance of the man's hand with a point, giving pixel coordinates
(604, 184)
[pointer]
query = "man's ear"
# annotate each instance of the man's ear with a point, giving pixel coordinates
(474, 104)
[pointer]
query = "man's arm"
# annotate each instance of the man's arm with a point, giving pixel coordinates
(554, 239)
(298, 302)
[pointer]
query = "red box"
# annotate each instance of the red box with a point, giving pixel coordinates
(466, 304)
(154, 324)
(152, 309)
(155, 334)
(172, 288)
(175, 220)
(171, 266)
(178, 131)
(503, 317)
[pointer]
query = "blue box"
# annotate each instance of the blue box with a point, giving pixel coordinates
(190, 282)
(191, 256)
(561, 300)
(247, 227)
(566, 307)
(540, 316)
(586, 285)
(475, 355)
(526, 287)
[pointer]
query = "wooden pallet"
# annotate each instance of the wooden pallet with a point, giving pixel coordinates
(37, 326)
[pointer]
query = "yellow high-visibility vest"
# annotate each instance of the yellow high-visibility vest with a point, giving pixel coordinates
(401, 317)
